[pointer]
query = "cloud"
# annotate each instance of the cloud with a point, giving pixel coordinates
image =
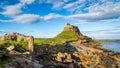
(12, 10)
(106, 12)
(56, 4)
(52, 16)
(74, 5)
(112, 31)
(31, 18)
(27, 1)
(24, 18)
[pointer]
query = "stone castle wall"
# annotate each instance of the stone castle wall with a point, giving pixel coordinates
(75, 29)
(20, 37)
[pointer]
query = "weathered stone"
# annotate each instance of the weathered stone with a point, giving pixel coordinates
(10, 47)
(60, 57)
(68, 58)
(71, 65)
(26, 53)
(36, 65)
(9, 65)
(20, 37)
(31, 43)
(72, 28)
(84, 39)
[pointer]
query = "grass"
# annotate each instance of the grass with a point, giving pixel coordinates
(6, 43)
(20, 46)
(61, 38)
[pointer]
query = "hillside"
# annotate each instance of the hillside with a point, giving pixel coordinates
(69, 33)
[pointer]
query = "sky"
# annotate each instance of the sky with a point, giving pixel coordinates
(99, 19)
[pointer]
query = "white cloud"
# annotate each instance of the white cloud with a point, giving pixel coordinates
(73, 4)
(27, 1)
(12, 10)
(24, 18)
(31, 18)
(105, 12)
(56, 4)
(106, 33)
(52, 16)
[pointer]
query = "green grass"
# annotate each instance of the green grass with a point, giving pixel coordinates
(20, 46)
(59, 39)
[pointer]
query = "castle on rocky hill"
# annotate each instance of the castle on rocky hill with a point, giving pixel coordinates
(72, 28)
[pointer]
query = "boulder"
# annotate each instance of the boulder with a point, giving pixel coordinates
(10, 48)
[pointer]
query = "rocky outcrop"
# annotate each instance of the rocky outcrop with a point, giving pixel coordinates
(81, 57)
(75, 29)
(23, 62)
(19, 37)
(84, 39)
(72, 28)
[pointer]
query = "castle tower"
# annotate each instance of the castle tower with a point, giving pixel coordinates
(75, 29)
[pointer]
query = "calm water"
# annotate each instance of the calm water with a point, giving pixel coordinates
(111, 45)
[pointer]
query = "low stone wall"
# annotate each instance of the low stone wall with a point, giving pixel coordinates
(20, 37)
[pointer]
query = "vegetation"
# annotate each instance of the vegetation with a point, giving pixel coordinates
(61, 38)
(19, 46)
(3, 54)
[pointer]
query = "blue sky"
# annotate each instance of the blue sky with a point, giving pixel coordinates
(99, 19)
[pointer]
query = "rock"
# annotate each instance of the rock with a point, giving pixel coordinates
(71, 65)
(10, 47)
(9, 65)
(60, 57)
(68, 57)
(61, 65)
(26, 53)
(15, 52)
(72, 28)
(36, 65)
(63, 57)
(23, 63)
(84, 39)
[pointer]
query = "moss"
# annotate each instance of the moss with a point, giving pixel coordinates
(61, 38)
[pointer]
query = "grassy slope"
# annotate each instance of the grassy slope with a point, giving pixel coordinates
(59, 39)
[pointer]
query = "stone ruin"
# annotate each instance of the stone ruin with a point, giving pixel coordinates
(18, 37)
(72, 28)
(82, 38)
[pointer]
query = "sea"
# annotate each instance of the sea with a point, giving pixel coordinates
(111, 45)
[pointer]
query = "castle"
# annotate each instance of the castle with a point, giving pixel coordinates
(72, 28)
